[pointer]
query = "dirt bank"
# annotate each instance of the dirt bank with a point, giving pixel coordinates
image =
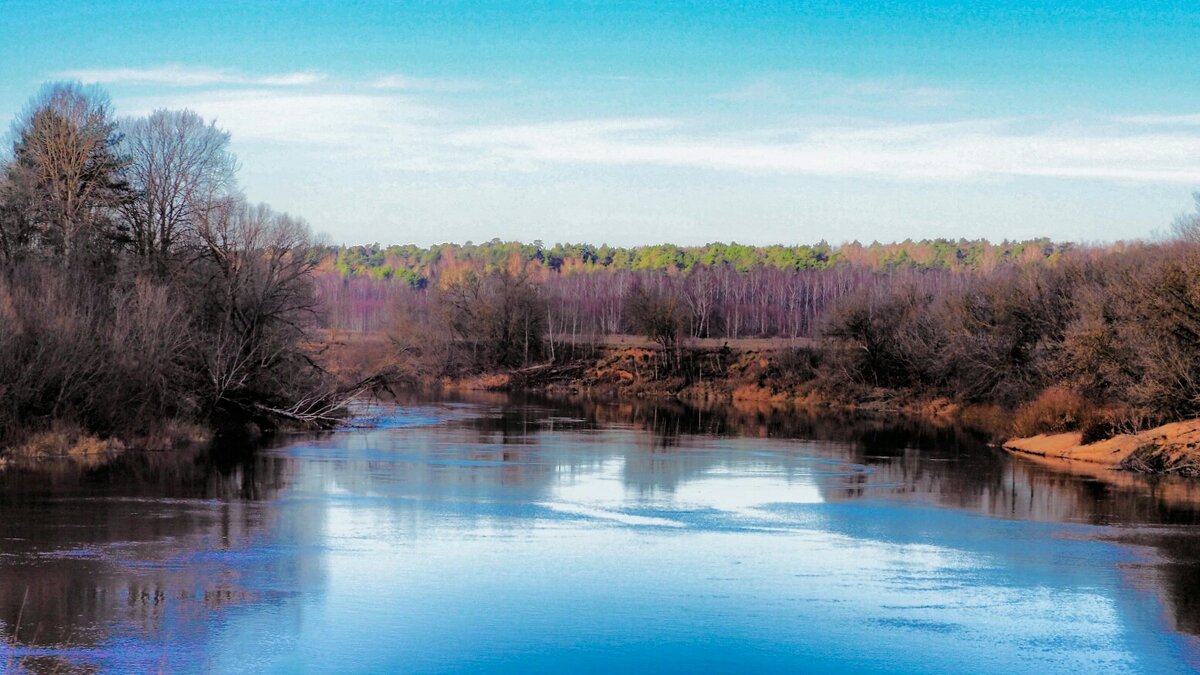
(776, 374)
(1170, 449)
(699, 371)
(780, 374)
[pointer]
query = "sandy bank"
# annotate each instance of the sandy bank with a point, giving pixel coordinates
(1170, 449)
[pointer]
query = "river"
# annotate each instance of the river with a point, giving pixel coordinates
(522, 535)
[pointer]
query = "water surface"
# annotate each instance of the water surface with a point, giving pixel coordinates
(503, 535)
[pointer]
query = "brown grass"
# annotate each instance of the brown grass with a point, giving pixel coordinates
(1056, 410)
(172, 433)
(65, 441)
(68, 442)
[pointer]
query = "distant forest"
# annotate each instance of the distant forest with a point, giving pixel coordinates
(1101, 338)
(731, 290)
(416, 265)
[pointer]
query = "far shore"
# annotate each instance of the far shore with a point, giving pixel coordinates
(772, 372)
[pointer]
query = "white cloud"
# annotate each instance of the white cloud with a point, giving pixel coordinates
(953, 151)
(832, 89)
(406, 82)
(374, 130)
(387, 130)
(175, 75)
(1162, 120)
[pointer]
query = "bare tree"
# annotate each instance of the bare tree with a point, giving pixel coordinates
(1187, 226)
(661, 313)
(499, 317)
(65, 173)
(256, 296)
(180, 169)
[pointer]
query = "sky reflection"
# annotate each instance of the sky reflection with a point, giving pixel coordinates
(517, 536)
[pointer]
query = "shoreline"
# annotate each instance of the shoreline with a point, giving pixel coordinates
(779, 375)
(1169, 449)
(756, 375)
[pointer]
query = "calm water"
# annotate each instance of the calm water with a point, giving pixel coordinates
(496, 535)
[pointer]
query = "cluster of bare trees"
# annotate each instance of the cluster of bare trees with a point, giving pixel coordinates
(708, 302)
(136, 283)
(1104, 338)
(473, 321)
(1107, 338)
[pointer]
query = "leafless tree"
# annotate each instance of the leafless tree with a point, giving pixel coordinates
(1187, 226)
(65, 175)
(660, 312)
(497, 318)
(180, 168)
(256, 297)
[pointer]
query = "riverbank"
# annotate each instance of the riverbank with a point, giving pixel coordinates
(784, 375)
(72, 444)
(1168, 449)
(776, 372)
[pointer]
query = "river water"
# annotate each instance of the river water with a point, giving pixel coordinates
(507, 535)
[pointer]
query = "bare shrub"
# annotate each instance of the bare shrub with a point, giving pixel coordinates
(494, 319)
(1055, 410)
(660, 311)
(885, 336)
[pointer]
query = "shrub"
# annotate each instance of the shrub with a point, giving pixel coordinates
(1055, 410)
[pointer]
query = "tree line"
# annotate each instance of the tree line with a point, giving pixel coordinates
(420, 266)
(138, 286)
(1100, 338)
(723, 291)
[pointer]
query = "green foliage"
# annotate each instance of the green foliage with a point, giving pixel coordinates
(418, 265)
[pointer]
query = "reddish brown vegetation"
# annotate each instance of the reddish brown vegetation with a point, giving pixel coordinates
(1102, 340)
(138, 292)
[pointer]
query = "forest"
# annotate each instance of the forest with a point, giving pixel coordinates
(141, 295)
(731, 290)
(1103, 338)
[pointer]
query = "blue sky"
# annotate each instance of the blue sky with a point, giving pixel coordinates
(634, 123)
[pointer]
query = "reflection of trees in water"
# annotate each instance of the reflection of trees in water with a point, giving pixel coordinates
(152, 544)
(942, 463)
(907, 458)
(1175, 572)
(143, 548)
(1181, 578)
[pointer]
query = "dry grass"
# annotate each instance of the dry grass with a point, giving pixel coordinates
(483, 382)
(1055, 410)
(65, 441)
(172, 433)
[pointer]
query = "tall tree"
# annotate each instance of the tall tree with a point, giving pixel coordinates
(180, 168)
(65, 173)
